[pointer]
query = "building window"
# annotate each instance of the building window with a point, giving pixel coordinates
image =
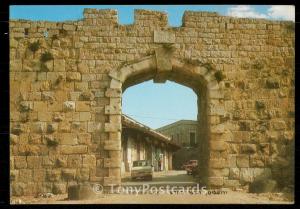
(192, 139)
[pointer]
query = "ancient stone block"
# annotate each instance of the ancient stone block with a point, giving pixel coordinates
(84, 116)
(68, 174)
(215, 181)
(74, 161)
(75, 149)
(112, 145)
(34, 161)
(59, 65)
(39, 174)
(219, 172)
(68, 139)
(53, 175)
(25, 175)
(272, 83)
(26, 106)
(242, 161)
(83, 106)
(94, 126)
(113, 92)
(89, 161)
(218, 145)
(73, 76)
(20, 162)
(59, 188)
(248, 148)
(164, 37)
(246, 175)
(69, 106)
(279, 125)
(112, 127)
(217, 163)
(234, 173)
(83, 174)
(52, 127)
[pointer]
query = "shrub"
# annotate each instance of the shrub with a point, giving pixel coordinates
(219, 76)
(34, 46)
(46, 57)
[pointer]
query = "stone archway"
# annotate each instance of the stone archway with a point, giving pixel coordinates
(162, 66)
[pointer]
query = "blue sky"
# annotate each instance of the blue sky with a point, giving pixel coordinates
(155, 104)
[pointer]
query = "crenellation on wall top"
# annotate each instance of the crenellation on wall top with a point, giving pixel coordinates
(156, 19)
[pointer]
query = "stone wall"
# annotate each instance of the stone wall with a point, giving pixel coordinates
(65, 94)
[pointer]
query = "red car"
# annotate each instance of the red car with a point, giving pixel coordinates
(190, 165)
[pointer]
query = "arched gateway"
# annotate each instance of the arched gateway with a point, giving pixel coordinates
(161, 66)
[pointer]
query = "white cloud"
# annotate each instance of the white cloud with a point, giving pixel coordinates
(280, 12)
(285, 12)
(244, 11)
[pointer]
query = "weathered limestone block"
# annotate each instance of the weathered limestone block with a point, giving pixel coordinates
(75, 149)
(84, 116)
(248, 148)
(39, 174)
(112, 127)
(34, 161)
(218, 145)
(20, 162)
(113, 92)
(83, 174)
(68, 139)
(26, 106)
(74, 161)
(89, 161)
(59, 65)
(94, 126)
(279, 125)
(242, 161)
(48, 96)
(257, 161)
(115, 84)
(86, 96)
(59, 188)
(113, 109)
(112, 145)
(52, 127)
(112, 163)
(272, 83)
(68, 174)
(246, 175)
(53, 175)
(219, 172)
(219, 129)
(83, 106)
(234, 173)
(58, 116)
(164, 37)
(13, 139)
(215, 181)
(38, 127)
(73, 76)
(217, 163)
(69, 106)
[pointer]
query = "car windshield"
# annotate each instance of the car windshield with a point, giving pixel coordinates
(140, 163)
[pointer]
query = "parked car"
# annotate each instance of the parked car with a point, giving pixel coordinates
(142, 169)
(190, 165)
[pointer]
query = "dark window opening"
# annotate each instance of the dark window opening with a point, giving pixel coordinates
(192, 139)
(26, 31)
